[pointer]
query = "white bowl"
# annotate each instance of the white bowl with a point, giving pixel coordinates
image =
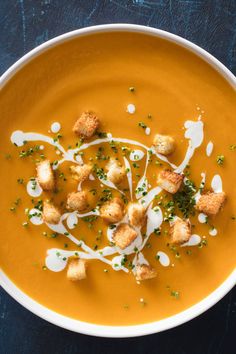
(118, 331)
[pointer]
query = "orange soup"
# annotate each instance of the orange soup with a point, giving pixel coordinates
(117, 179)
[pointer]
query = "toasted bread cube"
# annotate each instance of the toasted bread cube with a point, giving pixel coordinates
(112, 211)
(77, 201)
(170, 181)
(45, 175)
(51, 214)
(136, 214)
(210, 203)
(180, 231)
(116, 172)
(77, 269)
(124, 235)
(81, 172)
(164, 144)
(86, 125)
(144, 272)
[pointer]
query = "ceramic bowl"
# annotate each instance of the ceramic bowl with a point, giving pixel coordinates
(133, 330)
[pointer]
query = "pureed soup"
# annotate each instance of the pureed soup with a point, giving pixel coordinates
(117, 179)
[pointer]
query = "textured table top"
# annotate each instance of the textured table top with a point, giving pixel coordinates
(24, 24)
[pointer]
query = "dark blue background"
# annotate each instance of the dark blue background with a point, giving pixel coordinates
(25, 24)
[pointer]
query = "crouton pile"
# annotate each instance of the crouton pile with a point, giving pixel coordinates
(128, 218)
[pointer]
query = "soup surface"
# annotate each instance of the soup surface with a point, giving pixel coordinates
(137, 86)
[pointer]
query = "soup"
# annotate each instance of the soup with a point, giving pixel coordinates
(117, 180)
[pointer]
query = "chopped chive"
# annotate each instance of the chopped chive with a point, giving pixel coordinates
(142, 125)
(20, 181)
(175, 294)
(220, 160)
(25, 224)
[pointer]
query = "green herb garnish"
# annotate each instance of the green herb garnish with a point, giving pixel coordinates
(142, 125)
(175, 294)
(220, 160)
(184, 199)
(20, 181)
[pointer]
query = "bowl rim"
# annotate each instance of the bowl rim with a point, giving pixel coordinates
(108, 330)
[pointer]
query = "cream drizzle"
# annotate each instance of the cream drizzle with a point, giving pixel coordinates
(213, 232)
(55, 127)
(109, 184)
(72, 220)
(193, 241)
(142, 185)
(209, 148)
(202, 218)
(19, 138)
(154, 220)
(110, 138)
(131, 108)
(36, 219)
(57, 259)
(136, 155)
(163, 258)
(33, 188)
(148, 131)
(117, 263)
(202, 184)
(194, 132)
(141, 259)
(216, 184)
(129, 177)
(154, 216)
(60, 229)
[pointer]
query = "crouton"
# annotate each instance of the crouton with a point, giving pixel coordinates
(77, 269)
(136, 214)
(144, 272)
(116, 172)
(112, 211)
(45, 175)
(170, 181)
(180, 231)
(51, 214)
(210, 203)
(164, 144)
(81, 172)
(77, 201)
(124, 235)
(86, 125)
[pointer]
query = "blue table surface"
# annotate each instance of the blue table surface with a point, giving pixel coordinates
(211, 24)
